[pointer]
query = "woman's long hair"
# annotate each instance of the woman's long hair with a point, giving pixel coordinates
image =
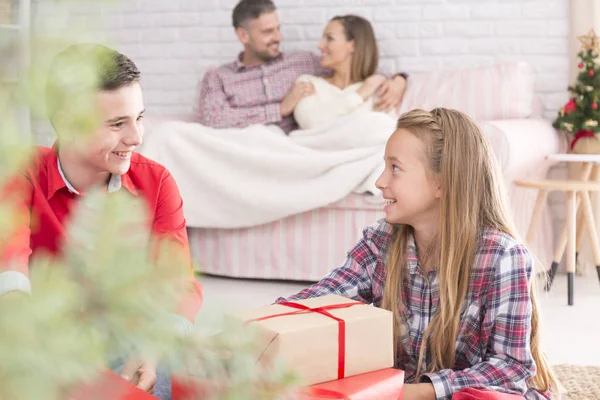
(366, 54)
(473, 198)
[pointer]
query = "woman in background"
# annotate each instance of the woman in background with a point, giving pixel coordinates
(349, 49)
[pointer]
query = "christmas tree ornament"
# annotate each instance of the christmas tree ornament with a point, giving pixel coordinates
(589, 88)
(568, 126)
(590, 42)
(580, 65)
(591, 72)
(570, 106)
(590, 123)
(594, 106)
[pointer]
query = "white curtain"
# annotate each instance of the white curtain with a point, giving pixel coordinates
(584, 15)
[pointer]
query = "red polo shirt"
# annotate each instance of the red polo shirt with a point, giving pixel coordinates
(46, 203)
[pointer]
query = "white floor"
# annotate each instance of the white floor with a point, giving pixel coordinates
(570, 335)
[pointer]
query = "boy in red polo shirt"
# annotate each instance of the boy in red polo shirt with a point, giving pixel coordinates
(58, 176)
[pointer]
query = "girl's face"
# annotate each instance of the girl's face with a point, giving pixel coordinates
(412, 194)
(335, 49)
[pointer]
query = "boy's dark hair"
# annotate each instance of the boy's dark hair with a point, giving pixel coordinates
(80, 71)
(247, 10)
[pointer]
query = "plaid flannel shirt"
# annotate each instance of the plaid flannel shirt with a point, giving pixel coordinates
(493, 343)
(235, 95)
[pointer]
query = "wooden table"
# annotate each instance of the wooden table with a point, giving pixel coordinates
(577, 193)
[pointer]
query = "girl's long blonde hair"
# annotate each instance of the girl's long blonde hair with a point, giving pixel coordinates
(473, 198)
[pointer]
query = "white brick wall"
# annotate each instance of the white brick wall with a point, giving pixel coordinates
(174, 41)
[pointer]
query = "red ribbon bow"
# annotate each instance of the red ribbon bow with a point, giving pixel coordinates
(302, 309)
(579, 135)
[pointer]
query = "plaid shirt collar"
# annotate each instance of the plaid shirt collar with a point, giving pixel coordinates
(412, 257)
(240, 66)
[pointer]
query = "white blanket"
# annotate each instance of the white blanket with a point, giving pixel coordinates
(234, 178)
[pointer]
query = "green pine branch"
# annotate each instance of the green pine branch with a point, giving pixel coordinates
(106, 296)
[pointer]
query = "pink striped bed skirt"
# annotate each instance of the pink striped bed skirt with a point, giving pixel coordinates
(305, 247)
(302, 247)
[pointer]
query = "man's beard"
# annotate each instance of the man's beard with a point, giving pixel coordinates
(266, 55)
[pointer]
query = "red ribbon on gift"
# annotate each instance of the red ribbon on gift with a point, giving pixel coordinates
(579, 135)
(323, 311)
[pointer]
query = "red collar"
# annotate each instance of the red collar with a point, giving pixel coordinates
(56, 181)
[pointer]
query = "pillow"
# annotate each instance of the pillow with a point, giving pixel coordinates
(501, 91)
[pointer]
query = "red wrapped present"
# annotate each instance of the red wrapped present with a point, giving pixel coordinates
(385, 384)
(189, 388)
(110, 386)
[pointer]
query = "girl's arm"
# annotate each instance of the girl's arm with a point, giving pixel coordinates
(508, 362)
(354, 278)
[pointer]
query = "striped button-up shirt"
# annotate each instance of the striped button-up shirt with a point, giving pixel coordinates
(236, 95)
(493, 343)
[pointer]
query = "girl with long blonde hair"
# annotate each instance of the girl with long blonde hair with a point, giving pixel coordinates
(447, 262)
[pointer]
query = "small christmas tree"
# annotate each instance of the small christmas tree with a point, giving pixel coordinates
(580, 117)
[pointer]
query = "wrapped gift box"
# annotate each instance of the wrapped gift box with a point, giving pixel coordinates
(323, 339)
(386, 384)
(110, 386)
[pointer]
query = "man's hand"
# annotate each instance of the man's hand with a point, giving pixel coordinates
(140, 373)
(390, 94)
(299, 91)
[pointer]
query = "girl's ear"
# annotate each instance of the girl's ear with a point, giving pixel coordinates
(438, 190)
